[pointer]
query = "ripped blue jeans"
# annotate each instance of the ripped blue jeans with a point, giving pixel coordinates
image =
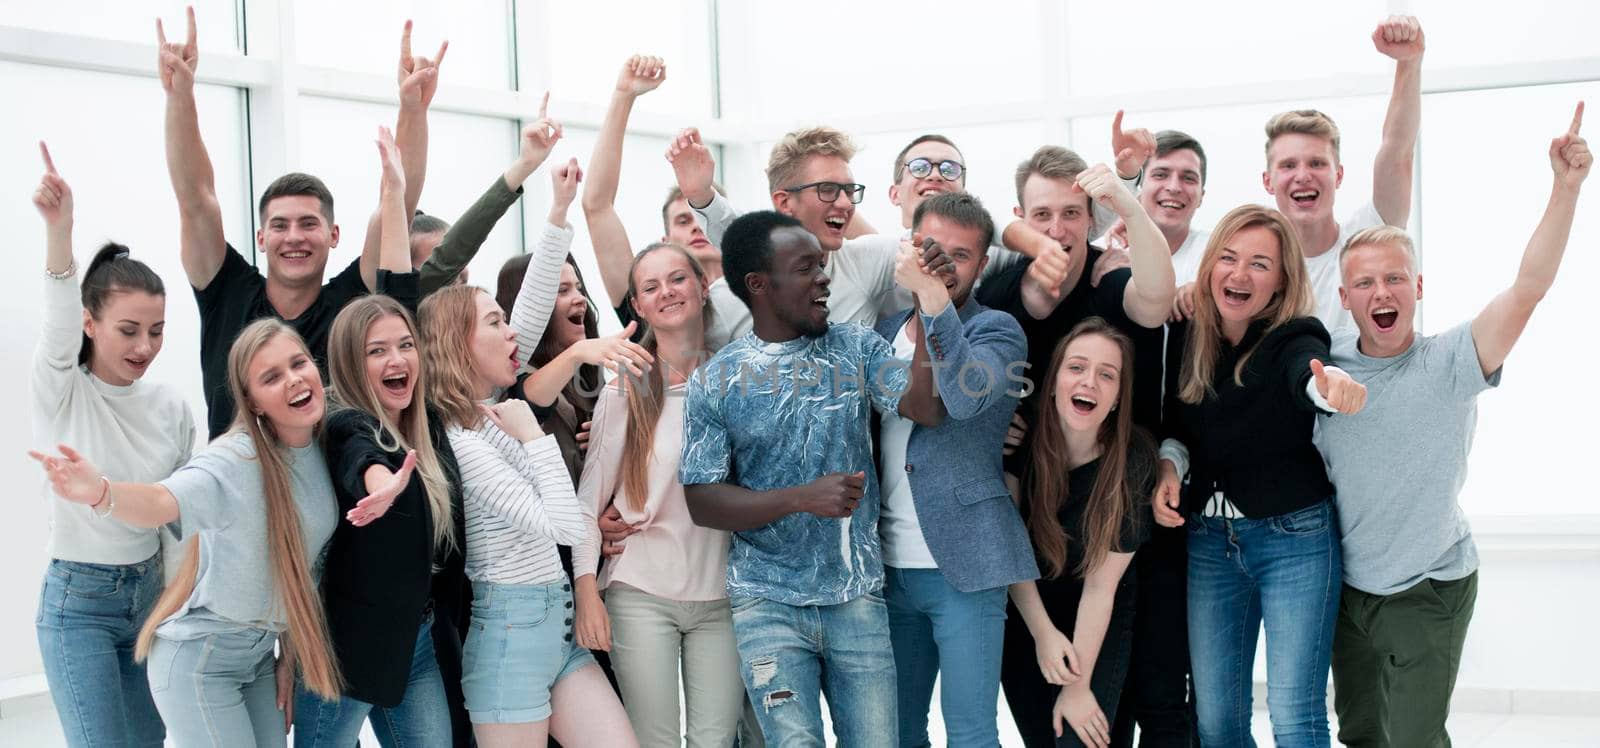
(792, 656)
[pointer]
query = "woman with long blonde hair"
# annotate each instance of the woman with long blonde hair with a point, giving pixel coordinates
(519, 503)
(665, 609)
(1263, 540)
(257, 508)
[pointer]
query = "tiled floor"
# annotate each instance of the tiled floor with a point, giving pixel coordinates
(39, 728)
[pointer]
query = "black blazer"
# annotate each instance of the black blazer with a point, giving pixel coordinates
(378, 580)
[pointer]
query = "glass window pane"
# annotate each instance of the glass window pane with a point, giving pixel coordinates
(586, 44)
(466, 153)
(1482, 198)
(365, 37)
(879, 57)
(1235, 140)
(217, 24)
(1178, 45)
(1537, 30)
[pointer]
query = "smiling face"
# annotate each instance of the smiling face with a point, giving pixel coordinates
(910, 191)
(392, 363)
(825, 220)
(566, 317)
(493, 345)
(1247, 274)
(683, 229)
(1381, 289)
(127, 335)
(1302, 173)
(1172, 190)
(667, 294)
(795, 287)
(961, 243)
(1057, 210)
(283, 387)
(1088, 383)
(296, 238)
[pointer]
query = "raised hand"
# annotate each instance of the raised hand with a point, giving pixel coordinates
(1058, 659)
(564, 181)
(1132, 148)
(53, 199)
(1343, 394)
(913, 271)
(515, 418)
(176, 63)
(1570, 157)
(418, 76)
(394, 175)
(1104, 187)
(540, 136)
(641, 74)
(833, 495)
(693, 165)
(614, 352)
(72, 476)
(382, 493)
(1165, 501)
(1399, 37)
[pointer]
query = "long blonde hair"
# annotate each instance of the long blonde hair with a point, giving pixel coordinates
(447, 318)
(1294, 298)
(646, 398)
(291, 569)
(347, 353)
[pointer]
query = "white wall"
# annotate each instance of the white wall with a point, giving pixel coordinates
(1000, 80)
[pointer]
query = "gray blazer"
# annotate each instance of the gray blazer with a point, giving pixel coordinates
(967, 516)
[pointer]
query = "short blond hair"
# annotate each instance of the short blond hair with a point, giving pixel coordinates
(1385, 235)
(789, 155)
(1305, 122)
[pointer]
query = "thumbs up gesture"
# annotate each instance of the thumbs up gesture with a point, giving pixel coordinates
(1343, 394)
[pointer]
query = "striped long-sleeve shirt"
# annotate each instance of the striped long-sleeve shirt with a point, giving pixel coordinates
(519, 504)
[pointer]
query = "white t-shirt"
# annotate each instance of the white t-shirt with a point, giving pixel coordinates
(1323, 272)
(1186, 261)
(898, 527)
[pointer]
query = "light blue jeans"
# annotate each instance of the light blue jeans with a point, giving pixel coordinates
(1285, 571)
(218, 690)
(89, 616)
(937, 628)
(422, 718)
(790, 656)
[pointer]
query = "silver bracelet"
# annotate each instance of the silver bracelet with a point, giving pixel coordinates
(72, 268)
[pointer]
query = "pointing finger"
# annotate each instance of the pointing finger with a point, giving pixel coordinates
(544, 105)
(444, 46)
(161, 33)
(1116, 125)
(1577, 119)
(49, 164)
(192, 39)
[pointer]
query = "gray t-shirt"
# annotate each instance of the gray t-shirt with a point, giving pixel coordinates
(1399, 464)
(220, 499)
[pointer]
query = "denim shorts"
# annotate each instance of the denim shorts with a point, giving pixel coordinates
(520, 643)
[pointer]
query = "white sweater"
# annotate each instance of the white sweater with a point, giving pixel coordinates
(140, 433)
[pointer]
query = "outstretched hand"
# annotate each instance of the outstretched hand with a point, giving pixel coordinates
(418, 76)
(1570, 157)
(693, 165)
(53, 199)
(176, 63)
(71, 475)
(641, 74)
(1343, 393)
(382, 496)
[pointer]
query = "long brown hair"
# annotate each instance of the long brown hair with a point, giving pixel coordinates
(448, 317)
(347, 353)
(646, 398)
(1111, 501)
(1293, 299)
(291, 570)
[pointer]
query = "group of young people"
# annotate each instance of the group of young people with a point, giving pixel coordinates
(828, 460)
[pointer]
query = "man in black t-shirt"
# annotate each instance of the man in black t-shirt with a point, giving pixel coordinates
(1052, 293)
(297, 229)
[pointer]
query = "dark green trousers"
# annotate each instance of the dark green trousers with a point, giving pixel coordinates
(1395, 659)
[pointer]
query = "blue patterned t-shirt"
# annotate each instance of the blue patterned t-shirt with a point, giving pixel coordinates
(765, 416)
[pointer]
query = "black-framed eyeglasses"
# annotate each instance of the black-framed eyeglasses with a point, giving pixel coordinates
(829, 191)
(920, 168)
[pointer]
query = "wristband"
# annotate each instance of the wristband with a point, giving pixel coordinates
(72, 268)
(105, 498)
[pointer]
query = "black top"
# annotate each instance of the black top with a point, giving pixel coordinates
(1062, 594)
(1004, 292)
(1253, 442)
(237, 296)
(378, 579)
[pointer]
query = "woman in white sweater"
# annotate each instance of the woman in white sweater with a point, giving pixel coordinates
(524, 678)
(87, 390)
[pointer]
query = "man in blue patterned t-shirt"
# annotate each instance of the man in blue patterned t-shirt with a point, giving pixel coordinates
(778, 449)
